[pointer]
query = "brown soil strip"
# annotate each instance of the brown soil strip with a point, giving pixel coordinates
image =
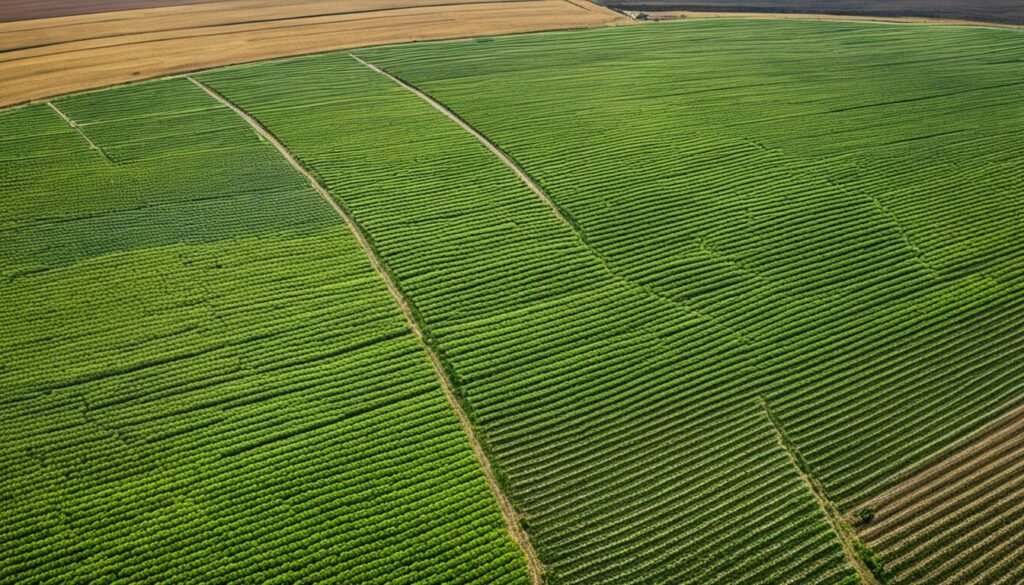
(955, 498)
(953, 492)
(656, 15)
(508, 512)
(78, 129)
(839, 526)
(43, 58)
(1005, 428)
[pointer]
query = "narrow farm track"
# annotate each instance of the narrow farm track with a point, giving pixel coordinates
(560, 214)
(835, 520)
(566, 369)
(78, 129)
(505, 159)
(509, 514)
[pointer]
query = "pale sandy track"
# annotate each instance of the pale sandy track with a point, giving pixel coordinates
(508, 512)
(508, 162)
(78, 129)
(47, 57)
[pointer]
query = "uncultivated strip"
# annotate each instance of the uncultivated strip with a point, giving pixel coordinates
(511, 517)
(827, 508)
(78, 129)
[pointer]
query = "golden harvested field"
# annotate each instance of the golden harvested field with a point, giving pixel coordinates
(45, 57)
(11, 10)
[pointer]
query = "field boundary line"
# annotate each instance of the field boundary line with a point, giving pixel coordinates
(78, 129)
(508, 512)
(561, 215)
(844, 533)
(505, 158)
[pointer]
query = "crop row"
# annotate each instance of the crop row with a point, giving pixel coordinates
(617, 416)
(968, 504)
(204, 379)
(844, 197)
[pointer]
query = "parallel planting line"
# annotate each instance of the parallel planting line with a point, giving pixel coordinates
(557, 211)
(831, 514)
(921, 477)
(508, 512)
(483, 140)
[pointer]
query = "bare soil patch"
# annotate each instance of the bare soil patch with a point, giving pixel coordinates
(42, 58)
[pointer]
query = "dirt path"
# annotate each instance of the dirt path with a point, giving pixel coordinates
(842, 531)
(508, 162)
(560, 214)
(78, 129)
(508, 512)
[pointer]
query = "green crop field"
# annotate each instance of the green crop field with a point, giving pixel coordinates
(203, 378)
(773, 270)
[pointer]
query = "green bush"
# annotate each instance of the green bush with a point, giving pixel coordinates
(864, 516)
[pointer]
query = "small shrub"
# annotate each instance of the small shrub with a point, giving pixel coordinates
(864, 516)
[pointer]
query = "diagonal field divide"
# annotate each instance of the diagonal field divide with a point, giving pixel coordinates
(78, 129)
(833, 518)
(508, 512)
(560, 214)
(504, 158)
